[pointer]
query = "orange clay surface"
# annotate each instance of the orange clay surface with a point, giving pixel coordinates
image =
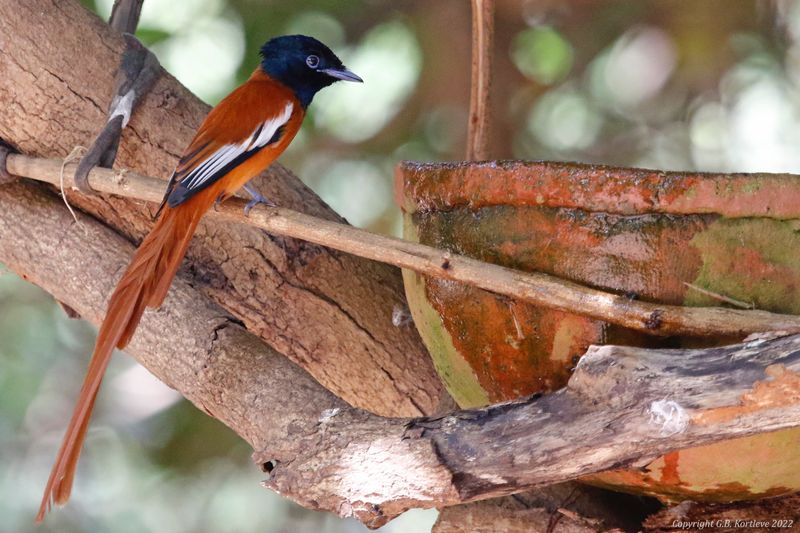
(638, 232)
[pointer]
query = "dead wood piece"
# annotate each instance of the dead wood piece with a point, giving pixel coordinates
(622, 405)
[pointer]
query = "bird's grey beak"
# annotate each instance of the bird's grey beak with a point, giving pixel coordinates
(342, 74)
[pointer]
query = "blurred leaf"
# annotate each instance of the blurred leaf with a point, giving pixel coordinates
(151, 36)
(542, 54)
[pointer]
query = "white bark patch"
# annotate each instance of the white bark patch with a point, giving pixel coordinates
(327, 414)
(401, 316)
(669, 416)
(122, 106)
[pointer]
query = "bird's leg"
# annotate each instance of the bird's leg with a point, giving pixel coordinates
(257, 198)
(137, 72)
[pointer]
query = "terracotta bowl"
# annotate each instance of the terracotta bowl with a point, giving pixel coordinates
(656, 236)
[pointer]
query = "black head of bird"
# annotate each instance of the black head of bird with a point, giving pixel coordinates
(303, 64)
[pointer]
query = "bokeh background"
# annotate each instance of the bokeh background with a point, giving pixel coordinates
(669, 84)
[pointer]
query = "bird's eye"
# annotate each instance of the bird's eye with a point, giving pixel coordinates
(312, 61)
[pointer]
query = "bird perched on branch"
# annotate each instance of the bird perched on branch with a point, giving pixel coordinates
(239, 138)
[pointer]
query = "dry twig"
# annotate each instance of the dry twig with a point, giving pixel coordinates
(536, 288)
(720, 297)
(479, 109)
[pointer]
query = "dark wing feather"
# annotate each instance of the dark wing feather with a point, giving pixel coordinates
(237, 129)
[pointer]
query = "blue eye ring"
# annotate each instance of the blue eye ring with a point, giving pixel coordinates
(312, 61)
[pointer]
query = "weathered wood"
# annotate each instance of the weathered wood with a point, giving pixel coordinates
(537, 288)
(622, 406)
(58, 61)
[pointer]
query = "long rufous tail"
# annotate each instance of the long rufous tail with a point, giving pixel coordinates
(144, 284)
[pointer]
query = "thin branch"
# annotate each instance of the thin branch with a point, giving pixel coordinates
(720, 297)
(536, 288)
(479, 108)
(125, 15)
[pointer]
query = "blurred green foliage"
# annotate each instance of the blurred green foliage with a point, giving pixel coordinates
(709, 85)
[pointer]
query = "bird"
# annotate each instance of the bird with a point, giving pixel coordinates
(238, 139)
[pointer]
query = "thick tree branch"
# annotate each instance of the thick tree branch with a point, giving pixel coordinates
(189, 343)
(58, 61)
(536, 288)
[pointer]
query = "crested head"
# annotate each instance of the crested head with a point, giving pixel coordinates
(303, 64)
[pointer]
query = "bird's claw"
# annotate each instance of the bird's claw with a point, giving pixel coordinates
(257, 198)
(254, 202)
(218, 201)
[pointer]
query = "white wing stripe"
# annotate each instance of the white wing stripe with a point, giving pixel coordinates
(195, 175)
(272, 125)
(218, 160)
(227, 153)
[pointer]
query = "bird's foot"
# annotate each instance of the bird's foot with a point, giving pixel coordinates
(218, 201)
(257, 198)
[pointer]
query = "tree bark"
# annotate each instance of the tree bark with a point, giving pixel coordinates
(622, 406)
(327, 311)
